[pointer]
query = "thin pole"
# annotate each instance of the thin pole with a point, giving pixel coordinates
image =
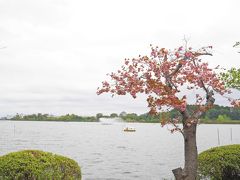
(218, 137)
(14, 129)
(231, 134)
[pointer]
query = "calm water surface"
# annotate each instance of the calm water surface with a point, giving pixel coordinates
(105, 152)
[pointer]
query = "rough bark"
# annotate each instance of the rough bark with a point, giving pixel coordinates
(189, 172)
(178, 173)
(190, 149)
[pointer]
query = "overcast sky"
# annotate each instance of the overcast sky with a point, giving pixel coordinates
(57, 52)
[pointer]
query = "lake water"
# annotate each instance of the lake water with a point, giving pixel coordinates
(105, 152)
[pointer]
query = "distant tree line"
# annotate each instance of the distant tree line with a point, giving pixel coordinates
(217, 114)
(112, 115)
(147, 118)
(47, 117)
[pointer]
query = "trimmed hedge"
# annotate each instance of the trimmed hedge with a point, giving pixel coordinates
(220, 163)
(35, 164)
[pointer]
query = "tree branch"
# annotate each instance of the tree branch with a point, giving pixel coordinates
(169, 77)
(196, 54)
(176, 70)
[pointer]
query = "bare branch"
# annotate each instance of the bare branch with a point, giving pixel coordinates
(196, 54)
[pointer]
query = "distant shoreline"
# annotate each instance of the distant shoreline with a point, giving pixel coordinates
(224, 122)
(237, 122)
(47, 120)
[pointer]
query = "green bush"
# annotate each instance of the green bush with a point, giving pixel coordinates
(220, 163)
(38, 165)
(222, 118)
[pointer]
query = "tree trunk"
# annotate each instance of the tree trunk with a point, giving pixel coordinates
(189, 172)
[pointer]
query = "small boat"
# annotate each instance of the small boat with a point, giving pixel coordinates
(129, 129)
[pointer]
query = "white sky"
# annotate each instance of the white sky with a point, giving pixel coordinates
(59, 51)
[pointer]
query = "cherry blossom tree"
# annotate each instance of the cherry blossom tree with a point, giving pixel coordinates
(167, 77)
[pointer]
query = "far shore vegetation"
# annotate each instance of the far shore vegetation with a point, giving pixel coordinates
(216, 115)
(47, 117)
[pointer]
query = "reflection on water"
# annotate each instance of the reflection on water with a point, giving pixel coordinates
(106, 152)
